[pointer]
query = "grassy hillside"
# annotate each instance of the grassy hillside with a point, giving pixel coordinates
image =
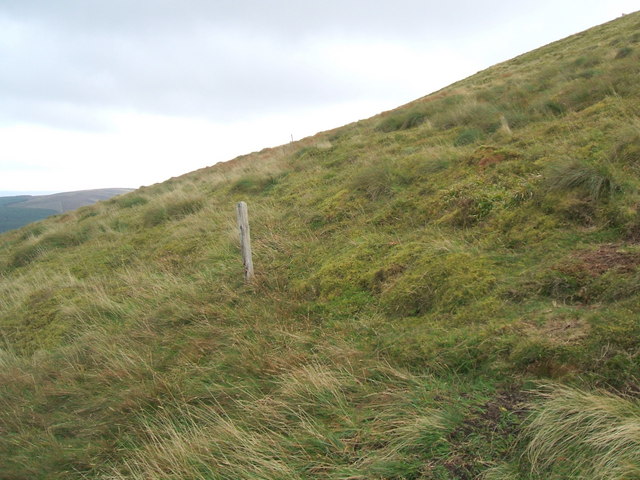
(18, 211)
(449, 290)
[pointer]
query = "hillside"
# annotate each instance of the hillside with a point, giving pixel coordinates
(19, 210)
(448, 290)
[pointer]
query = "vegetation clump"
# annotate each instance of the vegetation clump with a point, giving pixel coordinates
(596, 182)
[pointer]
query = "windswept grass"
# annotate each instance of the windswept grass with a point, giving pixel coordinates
(574, 433)
(597, 182)
(585, 435)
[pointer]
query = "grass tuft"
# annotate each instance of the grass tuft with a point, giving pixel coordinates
(596, 181)
(468, 136)
(584, 434)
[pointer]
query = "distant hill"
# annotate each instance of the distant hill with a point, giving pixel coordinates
(19, 210)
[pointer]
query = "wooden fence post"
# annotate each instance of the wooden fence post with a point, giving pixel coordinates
(245, 240)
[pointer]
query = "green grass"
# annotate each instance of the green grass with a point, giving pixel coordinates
(415, 283)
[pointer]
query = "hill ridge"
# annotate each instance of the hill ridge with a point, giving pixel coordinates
(19, 210)
(65, 201)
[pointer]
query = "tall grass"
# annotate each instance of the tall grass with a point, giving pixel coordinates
(200, 443)
(596, 181)
(307, 427)
(585, 435)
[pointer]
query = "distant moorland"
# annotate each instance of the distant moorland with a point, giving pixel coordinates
(19, 210)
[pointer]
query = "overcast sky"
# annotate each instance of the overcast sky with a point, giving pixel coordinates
(124, 93)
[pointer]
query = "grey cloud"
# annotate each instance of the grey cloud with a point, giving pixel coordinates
(62, 115)
(288, 17)
(221, 59)
(175, 72)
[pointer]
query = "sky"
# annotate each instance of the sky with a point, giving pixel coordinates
(125, 93)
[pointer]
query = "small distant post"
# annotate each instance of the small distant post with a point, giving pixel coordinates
(245, 240)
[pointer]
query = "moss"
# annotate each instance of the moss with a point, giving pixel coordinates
(350, 271)
(438, 280)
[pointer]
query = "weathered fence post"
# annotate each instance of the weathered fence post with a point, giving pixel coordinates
(245, 240)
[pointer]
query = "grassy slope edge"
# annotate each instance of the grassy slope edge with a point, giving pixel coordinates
(445, 291)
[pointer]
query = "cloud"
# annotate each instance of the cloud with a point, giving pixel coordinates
(110, 93)
(67, 61)
(214, 73)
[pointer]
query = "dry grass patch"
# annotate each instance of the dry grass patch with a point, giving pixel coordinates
(585, 435)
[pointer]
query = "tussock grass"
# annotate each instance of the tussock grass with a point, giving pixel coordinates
(403, 120)
(173, 207)
(297, 430)
(597, 182)
(131, 200)
(584, 434)
(202, 444)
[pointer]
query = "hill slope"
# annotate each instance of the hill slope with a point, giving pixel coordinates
(20, 210)
(444, 291)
